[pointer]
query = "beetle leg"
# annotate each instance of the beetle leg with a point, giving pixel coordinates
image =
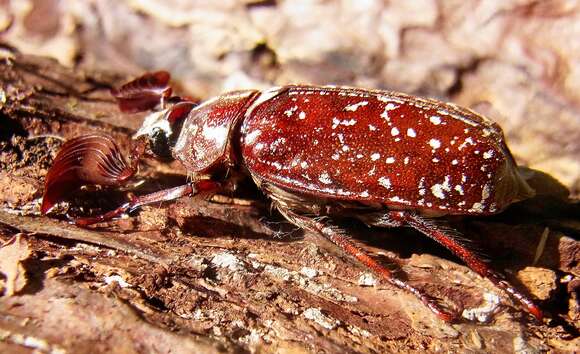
(198, 187)
(339, 238)
(451, 242)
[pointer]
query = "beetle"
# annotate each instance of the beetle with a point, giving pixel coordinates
(317, 152)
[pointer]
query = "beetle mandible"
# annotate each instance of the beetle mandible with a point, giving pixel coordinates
(385, 158)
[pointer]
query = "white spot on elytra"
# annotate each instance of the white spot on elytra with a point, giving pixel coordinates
(304, 164)
(335, 122)
(394, 131)
(439, 189)
(397, 199)
(277, 165)
(364, 194)
(454, 162)
(291, 111)
(485, 192)
(353, 107)
(488, 154)
(390, 160)
(476, 207)
(434, 143)
(372, 128)
(302, 115)
(411, 132)
(345, 148)
(335, 156)
(375, 156)
(385, 182)
(274, 146)
(325, 178)
(406, 160)
(468, 140)
(388, 107)
(459, 189)
(435, 120)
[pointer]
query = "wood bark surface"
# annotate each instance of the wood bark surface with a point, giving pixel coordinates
(228, 274)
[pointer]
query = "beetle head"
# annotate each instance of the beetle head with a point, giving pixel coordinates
(162, 129)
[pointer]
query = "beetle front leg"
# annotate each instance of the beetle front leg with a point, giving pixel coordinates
(339, 238)
(193, 188)
(454, 244)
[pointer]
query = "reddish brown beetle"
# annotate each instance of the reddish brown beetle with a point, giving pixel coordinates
(385, 158)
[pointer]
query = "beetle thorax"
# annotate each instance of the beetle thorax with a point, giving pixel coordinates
(205, 139)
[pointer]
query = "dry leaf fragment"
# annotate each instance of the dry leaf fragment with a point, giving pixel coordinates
(12, 253)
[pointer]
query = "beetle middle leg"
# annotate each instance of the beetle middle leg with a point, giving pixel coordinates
(339, 238)
(452, 243)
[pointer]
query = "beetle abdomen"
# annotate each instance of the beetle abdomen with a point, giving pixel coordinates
(379, 146)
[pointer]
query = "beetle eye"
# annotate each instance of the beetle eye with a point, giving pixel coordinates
(159, 143)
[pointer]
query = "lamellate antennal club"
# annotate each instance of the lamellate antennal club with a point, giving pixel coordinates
(385, 158)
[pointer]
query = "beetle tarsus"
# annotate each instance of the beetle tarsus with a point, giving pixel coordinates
(337, 237)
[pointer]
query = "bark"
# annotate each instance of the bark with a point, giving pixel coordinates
(226, 275)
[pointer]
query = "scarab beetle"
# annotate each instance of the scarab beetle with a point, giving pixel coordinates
(385, 158)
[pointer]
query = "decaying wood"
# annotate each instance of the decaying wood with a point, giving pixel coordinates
(213, 276)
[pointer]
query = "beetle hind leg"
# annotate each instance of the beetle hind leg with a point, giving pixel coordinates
(339, 238)
(450, 240)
